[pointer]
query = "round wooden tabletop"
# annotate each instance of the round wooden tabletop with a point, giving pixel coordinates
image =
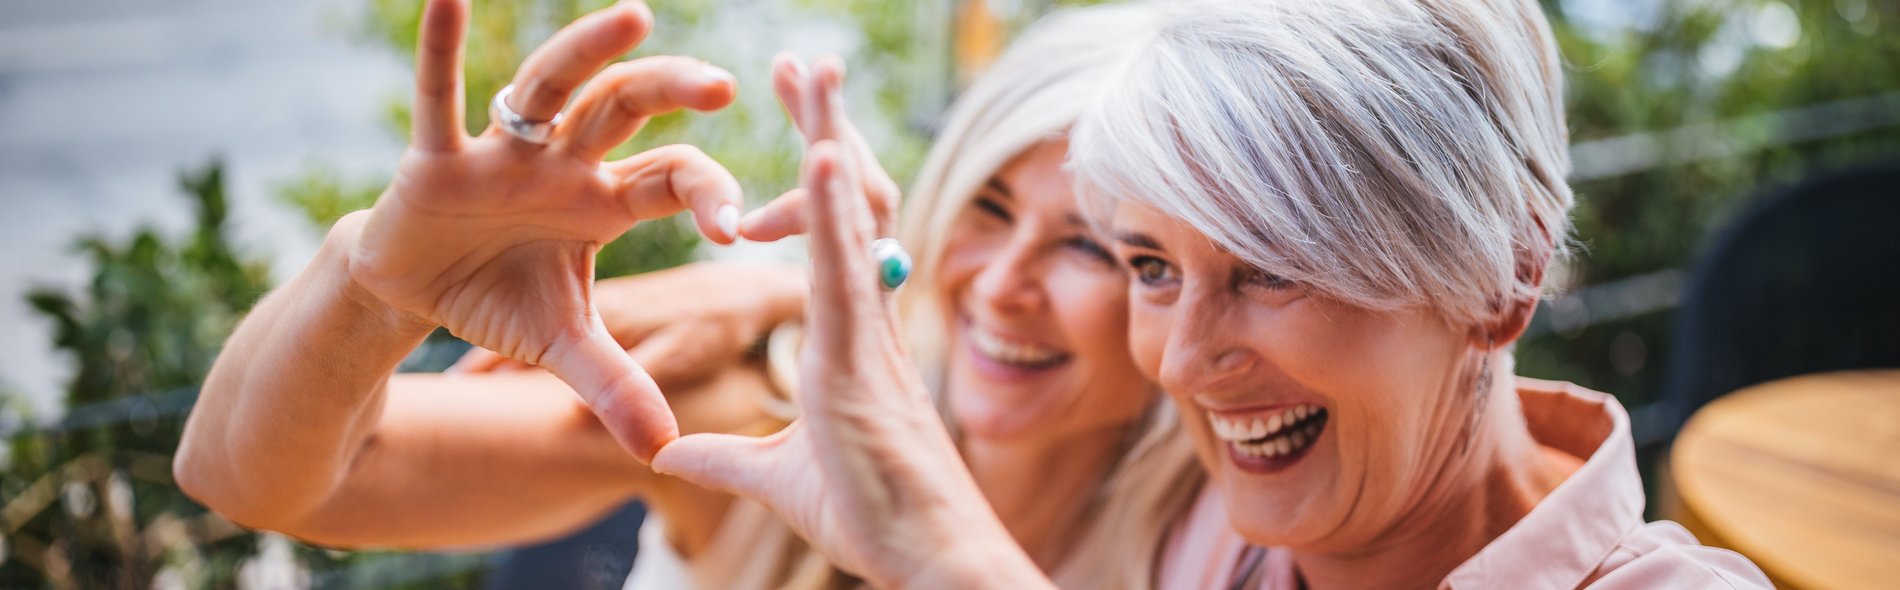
(1802, 475)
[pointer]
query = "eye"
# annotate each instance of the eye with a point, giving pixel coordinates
(1090, 248)
(993, 208)
(1265, 280)
(1152, 271)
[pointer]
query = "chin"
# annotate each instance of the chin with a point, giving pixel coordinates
(980, 414)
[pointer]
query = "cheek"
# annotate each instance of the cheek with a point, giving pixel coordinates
(964, 255)
(1148, 327)
(1382, 373)
(1091, 307)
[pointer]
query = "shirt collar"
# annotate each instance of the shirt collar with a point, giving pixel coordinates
(1575, 528)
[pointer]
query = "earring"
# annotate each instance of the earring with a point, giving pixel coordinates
(1480, 396)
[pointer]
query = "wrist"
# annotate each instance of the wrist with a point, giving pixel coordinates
(363, 306)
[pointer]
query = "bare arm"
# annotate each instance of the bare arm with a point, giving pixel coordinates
(314, 449)
(511, 457)
(299, 388)
(492, 237)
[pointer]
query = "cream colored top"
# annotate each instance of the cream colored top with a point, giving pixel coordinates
(748, 551)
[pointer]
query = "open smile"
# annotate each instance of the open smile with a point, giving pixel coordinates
(1009, 358)
(1272, 440)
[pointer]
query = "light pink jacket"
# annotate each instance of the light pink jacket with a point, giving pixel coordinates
(1588, 533)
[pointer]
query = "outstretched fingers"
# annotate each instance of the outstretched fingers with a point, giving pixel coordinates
(846, 301)
(814, 99)
(662, 181)
(551, 73)
(618, 101)
(880, 191)
(436, 121)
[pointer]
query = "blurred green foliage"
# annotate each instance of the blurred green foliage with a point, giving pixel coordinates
(1730, 66)
(92, 505)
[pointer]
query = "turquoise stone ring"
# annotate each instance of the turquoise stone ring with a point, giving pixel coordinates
(893, 263)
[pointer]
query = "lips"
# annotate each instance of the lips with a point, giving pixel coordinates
(1014, 352)
(1269, 441)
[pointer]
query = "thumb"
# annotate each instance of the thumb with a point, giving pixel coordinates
(725, 462)
(618, 390)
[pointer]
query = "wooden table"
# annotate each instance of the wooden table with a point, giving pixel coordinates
(1802, 475)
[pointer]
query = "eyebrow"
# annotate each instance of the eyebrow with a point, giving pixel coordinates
(1137, 240)
(996, 184)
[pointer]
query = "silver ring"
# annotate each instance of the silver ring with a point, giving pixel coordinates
(535, 132)
(893, 263)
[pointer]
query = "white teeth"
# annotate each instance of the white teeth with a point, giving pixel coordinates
(1272, 436)
(1011, 351)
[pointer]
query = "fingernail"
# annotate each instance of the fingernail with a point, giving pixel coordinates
(727, 218)
(712, 74)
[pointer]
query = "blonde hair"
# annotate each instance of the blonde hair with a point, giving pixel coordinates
(1032, 94)
(1384, 153)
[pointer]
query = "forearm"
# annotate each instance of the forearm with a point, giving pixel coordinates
(511, 457)
(296, 392)
(473, 460)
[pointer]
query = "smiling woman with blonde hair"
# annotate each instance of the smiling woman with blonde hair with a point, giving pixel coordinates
(1336, 217)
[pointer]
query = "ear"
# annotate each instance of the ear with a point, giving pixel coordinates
(1507, 326)
(1514, 316)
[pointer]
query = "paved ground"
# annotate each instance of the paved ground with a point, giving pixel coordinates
(102, 102)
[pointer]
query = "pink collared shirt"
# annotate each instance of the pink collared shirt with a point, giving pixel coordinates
(1588, 533)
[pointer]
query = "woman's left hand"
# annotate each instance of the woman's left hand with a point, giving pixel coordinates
(867, 474)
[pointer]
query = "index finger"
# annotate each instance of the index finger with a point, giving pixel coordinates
(845, 297)
(555, 69)
(827, 91)
(436, 121)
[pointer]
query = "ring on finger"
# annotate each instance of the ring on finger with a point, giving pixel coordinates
(524, 129)
(893, 263)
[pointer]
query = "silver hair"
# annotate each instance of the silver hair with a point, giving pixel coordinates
(1384, 153)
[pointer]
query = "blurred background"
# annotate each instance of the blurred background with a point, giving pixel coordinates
(164, 164)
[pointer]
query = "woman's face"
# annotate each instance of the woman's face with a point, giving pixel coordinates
(1318, 421)
(1037, 312)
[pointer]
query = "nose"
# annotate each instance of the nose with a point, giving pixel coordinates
(1009, 281)
(1202, 349)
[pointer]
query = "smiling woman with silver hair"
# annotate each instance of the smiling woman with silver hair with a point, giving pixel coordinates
(1337, 218)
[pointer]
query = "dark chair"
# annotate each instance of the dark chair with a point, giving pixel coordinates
(1805, 281)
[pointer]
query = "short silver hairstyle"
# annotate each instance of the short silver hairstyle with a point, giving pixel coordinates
(1384, 153)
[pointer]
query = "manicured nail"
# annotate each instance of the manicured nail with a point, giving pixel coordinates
(712, 74)
(727, 218)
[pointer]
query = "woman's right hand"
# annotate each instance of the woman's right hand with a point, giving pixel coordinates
(494, 237)
(867, 474)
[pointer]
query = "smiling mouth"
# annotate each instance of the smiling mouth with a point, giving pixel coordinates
(1266, 442)
(1014, 353)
